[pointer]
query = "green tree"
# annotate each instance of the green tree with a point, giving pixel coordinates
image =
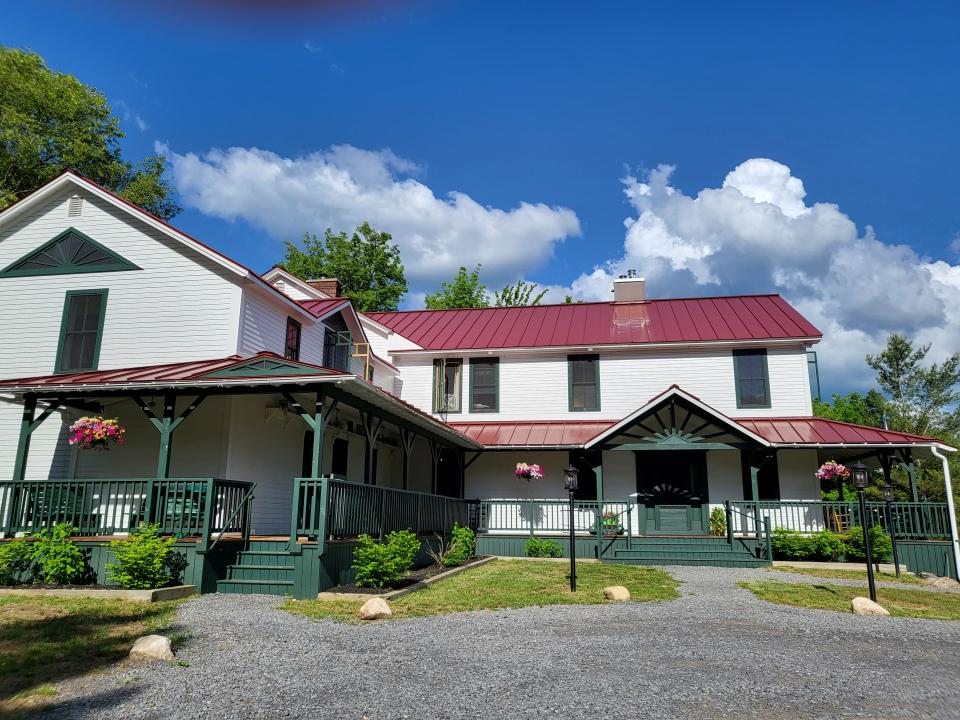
(367, 263)
(50, 121)
(464, 291)
(518, 294)
(853, 408)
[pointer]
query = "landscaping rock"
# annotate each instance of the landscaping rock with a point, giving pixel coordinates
(617, 593)
(940, 582)
(152, 647)
(375, 609)
(866, 606)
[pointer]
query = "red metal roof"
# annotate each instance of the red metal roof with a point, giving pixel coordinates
(321, 308)
(169, 372)
(547, 433)
(749, 317)
(818, 431)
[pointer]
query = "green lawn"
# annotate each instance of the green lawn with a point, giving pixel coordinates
(845, 574)
(44, 640)
(508, 584)
(900, 603)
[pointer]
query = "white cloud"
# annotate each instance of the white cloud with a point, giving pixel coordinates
(756, 234)
(343, 186)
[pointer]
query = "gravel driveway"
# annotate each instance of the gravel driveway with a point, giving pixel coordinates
(716, 653)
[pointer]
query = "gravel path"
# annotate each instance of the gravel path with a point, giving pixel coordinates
(717, 652)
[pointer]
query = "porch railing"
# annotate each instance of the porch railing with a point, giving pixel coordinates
(911, 520)
(330, 507)
(179, 506)
(548, 515)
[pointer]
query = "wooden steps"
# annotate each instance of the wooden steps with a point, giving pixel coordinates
(266, 568)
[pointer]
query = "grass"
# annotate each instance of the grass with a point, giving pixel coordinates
(507, 584)
(911, 603)
(44, 640)
(842, 574)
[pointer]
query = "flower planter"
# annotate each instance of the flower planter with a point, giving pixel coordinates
(611, 532)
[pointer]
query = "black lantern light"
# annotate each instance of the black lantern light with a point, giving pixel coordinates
(861, 475)
(570, 483)
(888, 493)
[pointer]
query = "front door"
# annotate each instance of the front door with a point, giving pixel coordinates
(672, 486)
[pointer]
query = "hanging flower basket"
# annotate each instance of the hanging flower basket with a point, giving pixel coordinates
(832, 470)
(610, 524)
(96, 433)
(528, 472)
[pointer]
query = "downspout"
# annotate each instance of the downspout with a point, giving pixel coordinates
(950, 508)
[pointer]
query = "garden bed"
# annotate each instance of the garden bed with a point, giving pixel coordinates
(173, 592)
(414, 580)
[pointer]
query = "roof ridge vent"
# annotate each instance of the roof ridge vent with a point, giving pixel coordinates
(75, 206)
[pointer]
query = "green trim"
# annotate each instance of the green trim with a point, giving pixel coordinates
(736, 377)
(266, 367)
(69, 267)
(596, 370)
(58, 366)
(495, 362)
(433, 402)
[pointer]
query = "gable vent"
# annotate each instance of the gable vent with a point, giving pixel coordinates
(75, 206)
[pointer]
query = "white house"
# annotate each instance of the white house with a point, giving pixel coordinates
(347, 422)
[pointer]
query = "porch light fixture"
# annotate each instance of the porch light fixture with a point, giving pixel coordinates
(861, 478)
(570, 483)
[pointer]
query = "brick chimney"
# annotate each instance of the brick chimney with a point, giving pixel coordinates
(629, 288)
(328, 286)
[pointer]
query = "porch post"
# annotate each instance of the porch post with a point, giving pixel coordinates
(408, 439)
(914, 490)
(166, 435)
(598, 473)
(319, 431)
(371, 429)
(462, 469)
(435, 450)
(23, 444)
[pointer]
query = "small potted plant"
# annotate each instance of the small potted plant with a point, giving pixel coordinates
(610, 524)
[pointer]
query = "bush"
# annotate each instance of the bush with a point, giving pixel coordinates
(880, 544)
(16, 561)
(536, 547)
(463, 544)
(58, 561)
(378, 565)
(718, 521)
(142, 561)
(792, 545)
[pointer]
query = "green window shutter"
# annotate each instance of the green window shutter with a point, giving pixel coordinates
(81, 330)
(814, 371)
(69, 252)
(752, 378)
(484, 385)
(583, 382)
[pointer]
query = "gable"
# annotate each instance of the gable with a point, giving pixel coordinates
(267, 366)
(69, 252)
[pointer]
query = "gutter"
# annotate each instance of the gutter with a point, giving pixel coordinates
(948, 484)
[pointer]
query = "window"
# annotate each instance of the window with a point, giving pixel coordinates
(291, 348)
(750, 376)
(584, 378)
(446, 385)
(81, 330)
(484, 385)
(336, 349)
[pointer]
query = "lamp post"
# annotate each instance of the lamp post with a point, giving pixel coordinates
(570, 483)
(891, 525)
(861, 478)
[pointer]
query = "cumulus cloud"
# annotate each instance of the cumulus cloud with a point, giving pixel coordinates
(755, 233)
(343, 186)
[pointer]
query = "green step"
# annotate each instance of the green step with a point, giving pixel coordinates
(259, 572)
(268, 546)
(265, 557)
(255, 587)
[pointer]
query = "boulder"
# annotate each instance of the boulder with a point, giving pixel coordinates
(941, 582)
(375, 608)
(866, 606)
(617, 593)
(152, 647)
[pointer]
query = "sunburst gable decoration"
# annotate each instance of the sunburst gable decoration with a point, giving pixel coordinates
(69, 252)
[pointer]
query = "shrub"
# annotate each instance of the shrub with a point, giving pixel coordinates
(536, 547)
(463, 544)
(58, 561)
(792, 545)
(378, 565)
(142, 561)
(718, 521)
(880, 544)
(16, 560)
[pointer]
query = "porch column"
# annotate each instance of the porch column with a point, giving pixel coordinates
(408, 438)
(598, 473)
(435, 450)
(317, 421)
(23, 444)
(371, 429)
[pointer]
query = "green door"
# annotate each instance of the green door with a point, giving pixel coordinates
(672, 486)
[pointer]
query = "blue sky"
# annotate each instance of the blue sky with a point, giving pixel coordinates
(555, 104)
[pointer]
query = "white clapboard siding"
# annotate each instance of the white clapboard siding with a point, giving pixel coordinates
(534, 386)
(180, 306)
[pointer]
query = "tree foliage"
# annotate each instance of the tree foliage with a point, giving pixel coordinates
(50, 121)
(464, 291)
(366, 262)
(519, 294)
(855, 408)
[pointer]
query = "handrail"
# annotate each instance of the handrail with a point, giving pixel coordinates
(243, 504)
